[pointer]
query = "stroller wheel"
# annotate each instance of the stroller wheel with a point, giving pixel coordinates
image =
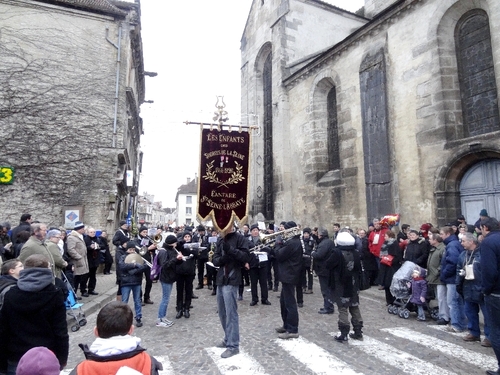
(389, 309)
(75, 328)
(406, 313)
(400, 312)
(82, 322)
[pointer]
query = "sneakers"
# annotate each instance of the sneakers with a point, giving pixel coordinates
(454, 329)
(288, 335)
(470, 338)
(164, 323)
(229, 353)
(280, 330)
(486, 343)
(138, 323)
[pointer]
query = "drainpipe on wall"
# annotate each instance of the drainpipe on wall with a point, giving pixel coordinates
(117, 88)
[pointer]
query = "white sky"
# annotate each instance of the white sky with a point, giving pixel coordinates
(194, 46)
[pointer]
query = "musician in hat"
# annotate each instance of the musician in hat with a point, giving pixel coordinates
(131, 267)
(144, 242)
(290, 262)
(258, 267)
(120, 240)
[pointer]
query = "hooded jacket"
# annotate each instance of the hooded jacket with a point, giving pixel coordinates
(107, 356)
(450, 259)
(33, 314)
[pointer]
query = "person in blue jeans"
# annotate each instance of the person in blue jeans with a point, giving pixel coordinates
(131, 280)
(469, 285)
(231, 254)
(168, 258)
(448, 276)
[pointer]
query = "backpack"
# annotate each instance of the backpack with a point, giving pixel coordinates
(156, 267)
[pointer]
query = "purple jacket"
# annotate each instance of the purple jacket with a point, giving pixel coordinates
(418, 289)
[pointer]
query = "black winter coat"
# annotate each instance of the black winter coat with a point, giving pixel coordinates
(385, 272)
(320, 255)
(92, 254)
(167, 259)
(130, 273)
(417, 252)
(230, 255)
(33, 318)
(188, 266)
(290, 261)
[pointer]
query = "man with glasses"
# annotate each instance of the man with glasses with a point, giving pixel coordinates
(469, 286)
(53, 237)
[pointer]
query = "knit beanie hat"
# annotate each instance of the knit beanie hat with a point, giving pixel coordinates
(143, 228)
(38, 361)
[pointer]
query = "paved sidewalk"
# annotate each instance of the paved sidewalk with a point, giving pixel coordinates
(106, 287)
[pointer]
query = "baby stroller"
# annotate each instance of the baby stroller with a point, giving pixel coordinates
(400, 290)
(72, 306)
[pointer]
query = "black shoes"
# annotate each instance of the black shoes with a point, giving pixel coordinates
(138, 323)
(300, 304)
(199, 286)
(325, 311)
(193, 296)
(85, 294)
(442, 322)
(341, 338)
(148, 301)
(187, 314)
(266, 302)
(93, 293)
(253, 303)
(229, 353)
(179, 315)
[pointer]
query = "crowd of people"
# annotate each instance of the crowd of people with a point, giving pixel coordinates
(456, 265)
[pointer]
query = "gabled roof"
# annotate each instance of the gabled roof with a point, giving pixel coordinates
(99, 6)
(189, 188)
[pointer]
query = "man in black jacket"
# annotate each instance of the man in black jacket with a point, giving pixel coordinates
(24, 225)
(290, 263)
(33, 314)
(322, 253)
(230, 256)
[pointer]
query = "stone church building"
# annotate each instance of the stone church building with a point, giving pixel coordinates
(72, 81)
(393, 109)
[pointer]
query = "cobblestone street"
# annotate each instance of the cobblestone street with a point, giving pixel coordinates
(392, 345)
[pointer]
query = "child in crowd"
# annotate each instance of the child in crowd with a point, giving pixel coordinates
(419, 291)
(131, 280)
(115, 347)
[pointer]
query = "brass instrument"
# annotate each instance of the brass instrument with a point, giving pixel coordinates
(136, 258)
(286, 234)
(269, 239)
(156, 240)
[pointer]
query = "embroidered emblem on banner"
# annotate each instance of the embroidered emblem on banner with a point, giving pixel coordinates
(223, 184)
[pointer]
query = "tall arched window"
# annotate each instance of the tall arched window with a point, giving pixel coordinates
(268, 139)
(333, 131)
(476, 74)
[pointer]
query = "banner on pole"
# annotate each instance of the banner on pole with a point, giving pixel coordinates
(223, 183)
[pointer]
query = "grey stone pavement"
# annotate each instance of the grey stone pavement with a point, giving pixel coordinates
(392, 345)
